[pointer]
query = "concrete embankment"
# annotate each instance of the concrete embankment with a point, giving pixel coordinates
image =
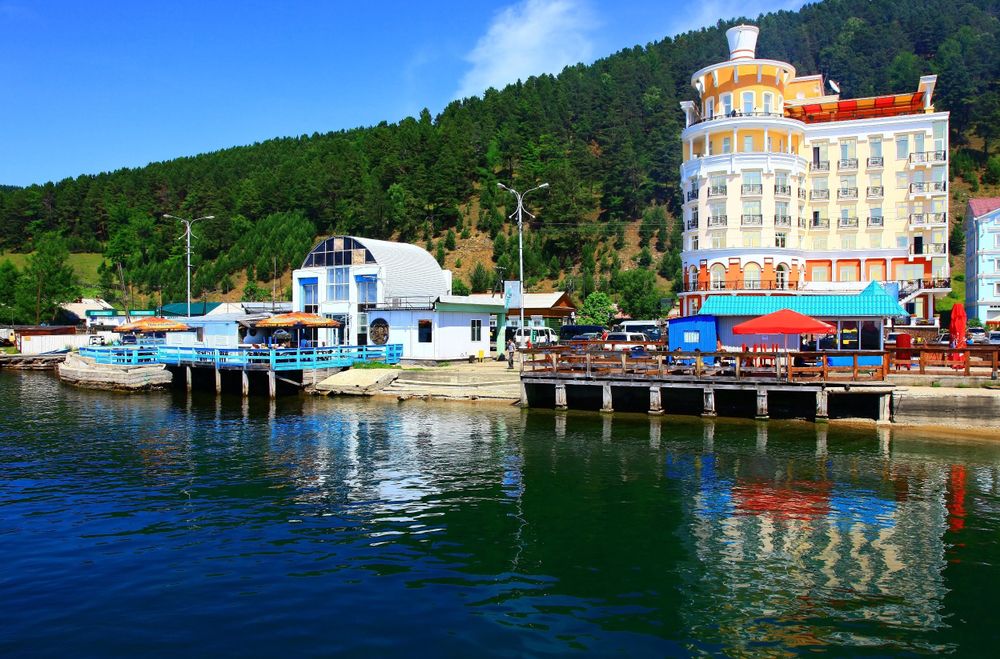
(962, 408)
(490, 381)
(31, 362)
(83, 372)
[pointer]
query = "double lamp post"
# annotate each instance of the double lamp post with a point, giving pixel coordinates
(187, 234)
(520, 212)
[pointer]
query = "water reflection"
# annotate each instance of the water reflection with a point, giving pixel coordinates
(483, 529)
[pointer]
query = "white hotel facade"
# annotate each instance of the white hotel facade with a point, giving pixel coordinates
(790, 190)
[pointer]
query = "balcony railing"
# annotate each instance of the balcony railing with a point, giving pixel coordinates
(929, 248)
(847, 222)
(783, 190)
(847, 193)
(819, 166)
(819, 194)
(717, 221)
(819, 223)
(782, 220)
(692, 195)
(928, 156)
(927, 219)
(802, 193)
(876, 221)
(752, 189)
(752, 220)
(876, 161)
(801, 223)
(847, 163)
(717, 191)
(876, 192)
(780, 284)
(738, 113)
(692, 223)
(928, 186)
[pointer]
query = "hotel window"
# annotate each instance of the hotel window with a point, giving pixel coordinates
(819, 244)
(996, 240)
(718, 240)
(425, 331)
(751, 208)
(821, 184)
(727, 145)
(847, 273)
(876, 214)
(821, 273)
(367, 287)
(727, 104)
(362, 329)
(902, 147)
(875, 147)
(751, 276)
(337, 288)
(476, 327)
(875, 180)
(752, 178)
(747, 143)
(781, 179)
(310, 286)
(780, 239)
(747, 102)
(902, 242)
(694, 243)
(717, 277)
(875, 240)
(781, 208)
(902, 181)
(768, 102)
(902, 212)
(940, 134)
(716, 209)
(709, 108)
(918, 143)
(848, 243)
(751, 239)
(848, 149)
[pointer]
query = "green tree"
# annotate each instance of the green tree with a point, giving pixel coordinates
(992, 173)
(252, 292)
(481, 280)
(458, 287)
(638, 295)
(449, 240)
(956, 241)
(9, 276)
(47, 280)
(597, 309)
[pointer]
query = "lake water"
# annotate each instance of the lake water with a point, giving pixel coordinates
(167, 525)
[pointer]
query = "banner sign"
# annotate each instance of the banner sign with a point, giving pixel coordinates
(511, 295)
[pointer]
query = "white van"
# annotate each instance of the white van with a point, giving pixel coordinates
(537, 335)
(650, 328)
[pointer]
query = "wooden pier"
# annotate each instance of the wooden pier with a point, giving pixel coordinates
(759, 384)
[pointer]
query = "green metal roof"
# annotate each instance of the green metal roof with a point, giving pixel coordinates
(180, 308)
(872, 302)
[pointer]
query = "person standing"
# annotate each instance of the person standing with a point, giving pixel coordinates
(510, 354)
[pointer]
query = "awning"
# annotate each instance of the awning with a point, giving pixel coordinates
(858, 108)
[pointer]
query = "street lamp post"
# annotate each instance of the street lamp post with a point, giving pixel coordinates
(520, 235)
(187, 234)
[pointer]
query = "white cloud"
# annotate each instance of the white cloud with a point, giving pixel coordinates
(529, 38)
(710, 12)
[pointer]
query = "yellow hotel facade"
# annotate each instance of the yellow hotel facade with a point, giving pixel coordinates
(790, 190)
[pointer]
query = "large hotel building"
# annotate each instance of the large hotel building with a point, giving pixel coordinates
(791, 190)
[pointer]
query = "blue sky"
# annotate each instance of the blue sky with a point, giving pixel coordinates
(94, 86)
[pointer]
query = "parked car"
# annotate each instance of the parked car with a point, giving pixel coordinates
(994, 338)
(627, 340)
(588, 336)
(536, 335)
(977, 335)
(570, 332)
(648, 327)
(97, 340)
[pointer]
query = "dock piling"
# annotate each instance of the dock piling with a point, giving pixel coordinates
(606, 402)
(246, 383)
(561, 397)
(709, 404)
(822, 405)
(762, 403)
(655, 400)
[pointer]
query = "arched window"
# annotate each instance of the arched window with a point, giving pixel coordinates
(692, 278)
(751, 276)
(781, 276)
(768, 102)
(709, 108)
(717, 275)
(747, 102)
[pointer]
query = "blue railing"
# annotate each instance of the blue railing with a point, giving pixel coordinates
(279, 359)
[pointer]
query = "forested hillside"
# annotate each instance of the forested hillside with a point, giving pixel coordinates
(605, 136)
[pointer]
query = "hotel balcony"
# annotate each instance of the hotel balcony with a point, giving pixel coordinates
(847, 193)
(801, 222)
(782, 190)
(782, 220)
(692, 195)
(876, 221)
(802, 193)
(693, 223)
(752, 220)
(876, 162)
(819, 194)
(737, 113)
(780, 284)
(847, 222)
(845, 164)
(876, 192)
(928, 187)
(928, 220)
(928, 157)
(819, 223)
(929, 248)
(819, 166)
(717, 221)
(716, 191)
(751, 189)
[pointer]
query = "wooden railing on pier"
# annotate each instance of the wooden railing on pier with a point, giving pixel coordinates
(972, 361)
(274, 359)
(588, 359)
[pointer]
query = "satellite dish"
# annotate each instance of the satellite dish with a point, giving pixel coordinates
(834, 86)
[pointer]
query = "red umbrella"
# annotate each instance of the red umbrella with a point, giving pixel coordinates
(958, 325)
(784, 321)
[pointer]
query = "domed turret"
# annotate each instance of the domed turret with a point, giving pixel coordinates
(742, 41)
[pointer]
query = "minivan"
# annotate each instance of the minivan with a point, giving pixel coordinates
(648, 327)
(567, 332)
(536, 335)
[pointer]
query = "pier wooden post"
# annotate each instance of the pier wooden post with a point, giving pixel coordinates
(606, 403)
(187, 378)
(822, 400)
(218, 381)
(246, 383)
(655, 400)
(762, 403)
(709, 407)
(884, 409)
(524, 395)
(272, 385)
(561, 396)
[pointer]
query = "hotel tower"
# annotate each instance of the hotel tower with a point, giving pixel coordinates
(791, 190)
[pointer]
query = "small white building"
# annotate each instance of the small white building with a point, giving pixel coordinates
(386, 292)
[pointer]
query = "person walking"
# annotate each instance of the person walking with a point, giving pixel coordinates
(510, 354)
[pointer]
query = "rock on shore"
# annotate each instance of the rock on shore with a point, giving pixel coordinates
(83, 372)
